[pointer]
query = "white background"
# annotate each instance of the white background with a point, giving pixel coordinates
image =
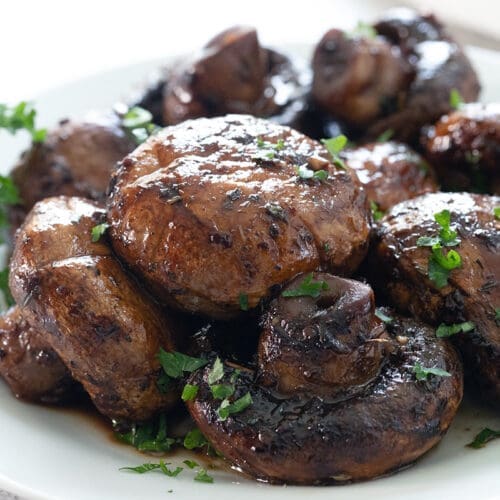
(50, 42)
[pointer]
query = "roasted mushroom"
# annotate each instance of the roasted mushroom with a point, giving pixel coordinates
(103, 326)
(465, 147)
(76, 158)
(29, 365)
(440, 287)
(390, 172)
(213, 213)
(234, 74)
(365, 414)
(400, 79)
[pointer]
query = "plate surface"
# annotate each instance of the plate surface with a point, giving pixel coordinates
(56, 454)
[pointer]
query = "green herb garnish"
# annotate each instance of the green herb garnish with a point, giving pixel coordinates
(191, 464)
(382, 316)
(161, 467)
(148, 436)
(362, 30)
(222, 391)
(21, 117)
(456, 99)
(377, 214)
(97, 231)
(449, 330)
(139, 124)
(175, 364)
(307, 288)
(496, 212)
(497, 315)
(243, 299)
(305, 173)
(227, 408)
(4, 287)
(483, 437)
(216, 373)
(335, 145)
(189, 392)
(194, 439)
(385, 136)
(421, 372)
(203, 477)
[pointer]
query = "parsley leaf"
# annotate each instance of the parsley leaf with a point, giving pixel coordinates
(139, 124)
(305, 173)
(203, 477)
(216, 373)
(496, 212)
(483, 437)
(456, 99)
(307, 288)
(19, 117)
(222, 391)
(362, 30)
(497, 315)
(194, 439)
(141, 469)
(447, 235)
(449, 330)
(189, 392)
(168, 472)
(382, 316)
(227, 408)
(148, 436)
(437, 274)
(421, 372)
(4, 287)
(191, 463)
(175, 363)
(376, 212)
(335, 145)
(9, 195)
(386, 135)
(243, 299)
(97, 231)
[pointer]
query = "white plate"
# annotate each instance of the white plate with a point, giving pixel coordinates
(53, 454)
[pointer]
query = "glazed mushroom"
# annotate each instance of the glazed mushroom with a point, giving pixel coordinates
(467, 291)
(390, 172)
(234, 74)
(213, 213)
(31, 368)
(104, 327)
(465, 147)
(76, 158)
(363, 415)
(357, 79)
(400, 79)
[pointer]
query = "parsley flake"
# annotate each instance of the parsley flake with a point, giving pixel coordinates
(4, 287)
(456, 99)
(191, 463)
(382, 316)
(138, 123)
(203, 477)
(194, 439)
(362, 30)
(386, 135)
(305, 173)
(243, 300)
(222, 391)
(496, 213)
(449, 330)
(421, 372)
(97, 231)
(148, 467)
(377, 214)
(307, 288)
(335, 145)
(216, 373)
(189, 392)
(21, 117)
(175, 364)
(227, 408)
(483, 437)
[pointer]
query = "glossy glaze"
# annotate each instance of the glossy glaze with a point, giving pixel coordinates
(203, 215)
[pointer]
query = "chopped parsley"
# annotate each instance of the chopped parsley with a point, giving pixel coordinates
(362, 30)
(222, 391)
(449, 330)
(335, 145)
(440, 264)
(191, 463)
(243, 299)
(216, 373)
(4, 287)
(456, 99)
(160, 467)
(97, 231)
(175, 364)
(377, 214)
(227, 408)
(305, 173)
(21, 117)
(421, 372)
(382, 316)
(386, 135)
(189, 392)
(138, 122)
(483, 437)
(194, 439)
(203, 477)
(149, 436)
(497, 315)
(307, 288)
(496, 212)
